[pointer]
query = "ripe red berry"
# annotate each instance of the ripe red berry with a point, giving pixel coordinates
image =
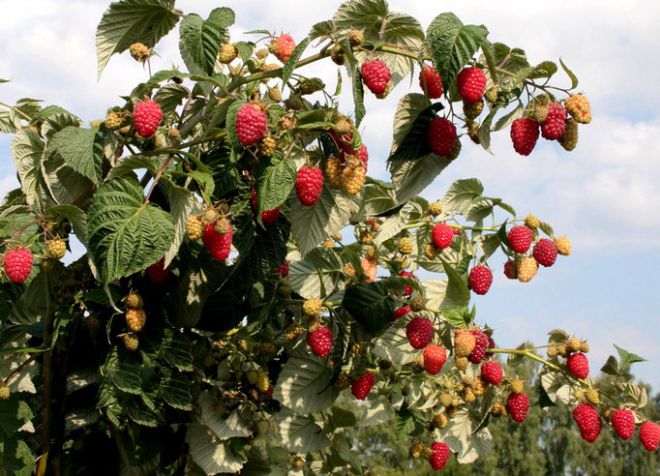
(479, 351)
(18, 264)
(309, 185)
(430, 82)
(587, 419)
(267, 216)
(363, 153)
(480, 279)
(362, 386)
(146, 117)
(471, 84)
(408, 289)
(510, 269)
(435, 357)
(545, 252)
(157, 273)
(440, 454)
(649, 435)
(401, 311)
(376, 76)
(555, 122)
(251, 124)
(320, 341)
(441, 136)
(517, 404)
(578, 365)
(491, 372)
(283, 269)
(420, 332)
(282, 47)
(623, 422)
(442, 235)
(520, 238)
(219, 245)
(524, 134)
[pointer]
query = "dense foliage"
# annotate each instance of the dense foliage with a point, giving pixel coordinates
(217, 317)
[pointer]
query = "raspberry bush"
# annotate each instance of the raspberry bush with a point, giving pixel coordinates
(241, 272)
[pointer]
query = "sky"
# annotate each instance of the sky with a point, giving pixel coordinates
(604, 195)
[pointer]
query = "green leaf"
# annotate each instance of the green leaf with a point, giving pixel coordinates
(545, 69)
(320, 268)
(411, 177)
(485, 128)
(458, 293)
(76, 217)
(231, 123)
(288, 68)
(210, 454)
(80, 149)
(462, 195)
(358, 98)
(409, 108)
(27, 149)
(611, 366)
(176, 349)
(628, 358)
(303, 384)
(135, 162)
(370, 305)
(176, 392)
(393, 344)
(275, 183)
(170, 96)
(200, 40)
(300, 434)
(415, 144)
(571, 75)
(453, 45)
(126, 235)
(123, 372)
(128, 21)
(182, 204)
(223, 426)
(55, 118)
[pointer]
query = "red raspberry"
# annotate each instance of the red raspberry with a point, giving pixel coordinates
(283, 269)
(578, 365)
(545, 252)
(479, 351)
(218, 245)
(442, 136)
(309, 185)
(430, 82)
(442, 235)
(435, 357)
(18, 264)
(157, 273)
(420, 332)
(363, 153)
(517, 404)
(146, 117)
(649, 435)
(520, 238)
(251, 124)
(555, 122)
(524, 134)
(401, 311)
(283, 47)
(587, 420)
(510, 270)
(320, 341)
(491, 372)
(471, 84)
(376, 76)
(362, 386)
(623, 422)
(408, 289)
(267, 216)
(439, 456)
(480, 279)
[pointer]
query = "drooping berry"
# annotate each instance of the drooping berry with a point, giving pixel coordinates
(570, 137)
(563, 245)
(194, 228)
(419, 332)
(517, 404)
(405, 245)
(309, 185)
(578, 106)
(524, 134)
(480, 279)
(251, 124)
(313, 307)
(491, 372)
(283, 269)
(481, 344)
(578, 365)
(408, 289)
(218, 245)
(430, 82)
(555, 122)
(649, 435)
(131, 342)
(401, 311)
(623, 422)
(135, 319)
(442, 235)
(134, 300)
(441, 136)
(320, 341)
(146, 117)
(362, 386)
(18, 264)
(464, 343)
(435, 357)
(526, 269)
(440, 454)
(510, 269)
(587, 419)
(471, 84)
(545, 252)
(267, 216)
(520, 238)
(227, 53)
(376, 76)
(370, 270)
(157, 273)
(282, 47)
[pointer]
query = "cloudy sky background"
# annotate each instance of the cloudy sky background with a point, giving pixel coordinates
(605, 195)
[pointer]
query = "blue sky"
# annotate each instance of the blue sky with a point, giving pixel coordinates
(604, 195)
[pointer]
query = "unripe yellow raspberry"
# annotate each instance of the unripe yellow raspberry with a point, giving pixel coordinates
(563, 245)
(430, 251)
(473, 109)
(552, 351)
(293, 332)
(498, 409)
(131, 342)
(491, 94)
(343, 126)
(261, 53)
(349, 270)
(328, 243)
(405, 245)
(516, 386)
(573, 344)
(464, 342)
(527, 268)
(313, 307)
(139, 51)
(56, 248)
(353, 179)
(591, 394)
(578, 106)
(439, 421)
(194, 228)
(539, 111)
(462, 363)
(174, 133)
(355, 37)
(468, 396)
(5, 393)
(113, 120)
(263, 382)
(478, 387)
(569, 140)
(134, 300)
(227, 53)
(416, 450)
(418, 303)
(531, 222)
(435, 208)
(584, 346)
(135, 319)
(267, 146)
(445, 399)
(333, 172)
